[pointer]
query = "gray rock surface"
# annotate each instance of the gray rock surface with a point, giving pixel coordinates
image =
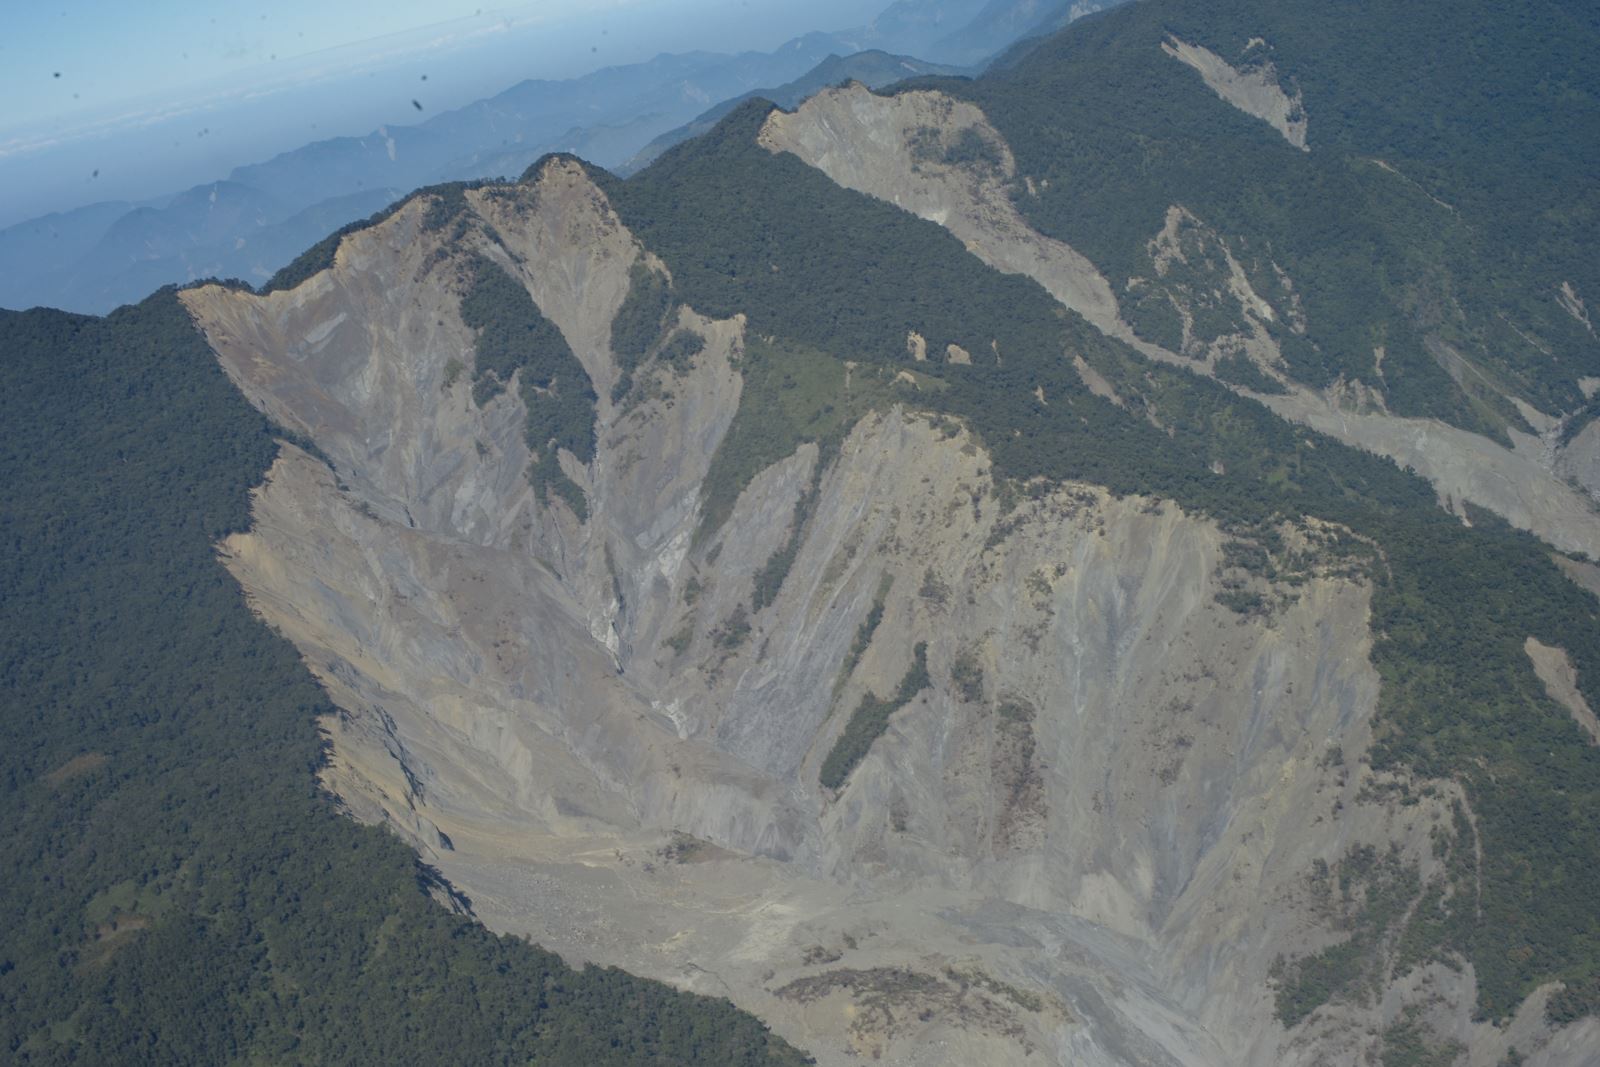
(1088, 845)
(1252, 88)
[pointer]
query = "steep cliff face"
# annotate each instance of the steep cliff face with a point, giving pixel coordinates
(1084, 834)
(903, 149)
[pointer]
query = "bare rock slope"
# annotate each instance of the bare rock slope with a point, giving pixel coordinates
(1085, 840)
(1253, 88)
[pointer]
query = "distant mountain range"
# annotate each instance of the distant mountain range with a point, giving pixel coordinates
(250, 224)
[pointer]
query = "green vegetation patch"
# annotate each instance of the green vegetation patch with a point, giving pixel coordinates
(180, 890)
(1367, 893)
(447, 206)
(864, 632)
(681, 348)
(870, 721)
(769, 579)
(643, 316)
(734, 631)
(746, 231)
(513, 336)
(1236, 368)
(1578, 421)
(793, 394)
(966, 676)
(648, 313)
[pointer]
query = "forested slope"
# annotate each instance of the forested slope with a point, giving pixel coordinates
(1446, 197)
(178, 888)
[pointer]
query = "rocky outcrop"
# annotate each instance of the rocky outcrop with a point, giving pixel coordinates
(1253, 88)
(1085, 840)
(1573, 304)
(1560, 680)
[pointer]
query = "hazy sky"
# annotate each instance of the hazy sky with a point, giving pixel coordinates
(133, 98)
(61, 60)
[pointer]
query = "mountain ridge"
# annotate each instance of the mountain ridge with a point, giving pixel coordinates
(720, 167)
(607, 115)
(869, 67)
(1200, 698)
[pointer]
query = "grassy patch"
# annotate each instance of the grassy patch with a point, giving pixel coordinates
(793, 394)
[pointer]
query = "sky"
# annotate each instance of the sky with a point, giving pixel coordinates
(115, 99)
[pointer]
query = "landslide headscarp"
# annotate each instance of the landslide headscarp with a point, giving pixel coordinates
(1085, 831)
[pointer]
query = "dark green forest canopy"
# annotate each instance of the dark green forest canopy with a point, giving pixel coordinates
(832, 270)
(512, 337)
(178, 890)
(1488, 116)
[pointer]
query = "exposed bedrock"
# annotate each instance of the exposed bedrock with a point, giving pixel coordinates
(1086, 840)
